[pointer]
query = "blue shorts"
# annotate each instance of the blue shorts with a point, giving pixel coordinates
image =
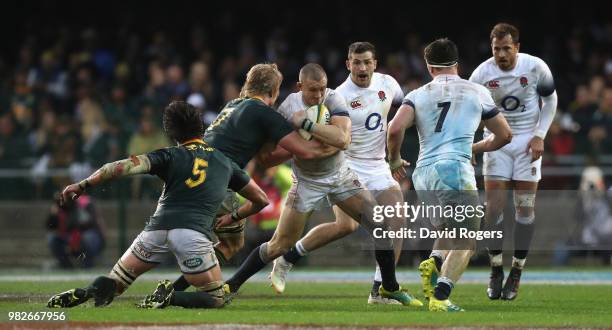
(447, 182)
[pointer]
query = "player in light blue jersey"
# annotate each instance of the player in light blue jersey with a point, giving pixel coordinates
(447, 112)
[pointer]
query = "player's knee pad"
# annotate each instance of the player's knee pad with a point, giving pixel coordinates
(525, 220)
(524, 200)
(123, 275)
(215, 290)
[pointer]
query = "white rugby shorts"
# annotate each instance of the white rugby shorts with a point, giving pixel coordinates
(193, 250)
(513, 161)
(374, 174)
(311, 193)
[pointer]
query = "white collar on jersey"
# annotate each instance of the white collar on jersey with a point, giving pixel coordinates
(446, 77)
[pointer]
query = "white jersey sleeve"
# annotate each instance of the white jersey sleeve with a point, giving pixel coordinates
(489, 109)
(335, 104)
(545, 83)
(476, 76)
(410, 99)
(396, 89)
(286, 109)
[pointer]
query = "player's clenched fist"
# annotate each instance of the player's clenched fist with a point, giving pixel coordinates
(71, 192)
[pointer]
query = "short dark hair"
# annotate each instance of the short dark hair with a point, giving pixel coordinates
(182, 121)
(500, 30)
(312, 71)
(441, 52)
(361, 47)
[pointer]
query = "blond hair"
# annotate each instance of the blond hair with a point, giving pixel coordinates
(262, 80)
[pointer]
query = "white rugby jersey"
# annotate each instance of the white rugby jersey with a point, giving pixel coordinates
(337, 107)
(448, 111)
(368, 109)
(517, 92)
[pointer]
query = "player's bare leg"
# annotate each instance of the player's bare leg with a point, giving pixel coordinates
(360, 207)
(229, 245)
(429, 269)
(326, 233)
(289, 230)
(495, 195)
(317, 237)
(524, 203)
(455, 263)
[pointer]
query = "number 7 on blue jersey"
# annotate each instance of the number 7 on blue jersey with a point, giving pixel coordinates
(445, 106)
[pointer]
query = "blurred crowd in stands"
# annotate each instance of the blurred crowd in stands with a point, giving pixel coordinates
(75, 98)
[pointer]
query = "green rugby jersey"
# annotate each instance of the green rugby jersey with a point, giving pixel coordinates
(196, 177)
(243, 127)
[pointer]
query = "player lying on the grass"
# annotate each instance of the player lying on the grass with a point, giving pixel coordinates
(318, 180)
(195, 177)
(370, 96)
(523, 88)
(447, 112)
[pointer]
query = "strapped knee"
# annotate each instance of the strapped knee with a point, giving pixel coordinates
(524, 200)
(215, 290)
(123, 275)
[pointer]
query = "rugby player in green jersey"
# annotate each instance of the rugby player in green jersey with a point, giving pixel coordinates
(196, 177)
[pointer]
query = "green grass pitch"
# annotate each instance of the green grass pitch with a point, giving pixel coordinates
(336, 304)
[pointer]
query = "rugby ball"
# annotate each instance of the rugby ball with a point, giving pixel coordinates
(319, 114)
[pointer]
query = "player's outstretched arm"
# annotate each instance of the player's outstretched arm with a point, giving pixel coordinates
(274, 157)
(395, 136)
(130, 166)
(502, 135)
(256, 201)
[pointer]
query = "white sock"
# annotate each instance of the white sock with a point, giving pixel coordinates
(377, 275)
(518, 263)
(496, 260)
(444, 279)
(437, 253)
(299, 247)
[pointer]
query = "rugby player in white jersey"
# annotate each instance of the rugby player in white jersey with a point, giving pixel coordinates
(447, 112)
(317, 181)
(518, 83)
(369, 97)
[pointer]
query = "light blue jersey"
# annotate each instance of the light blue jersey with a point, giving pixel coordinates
(448, 111)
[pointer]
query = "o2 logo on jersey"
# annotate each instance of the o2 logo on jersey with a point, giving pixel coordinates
(374, 122)
(511, 103)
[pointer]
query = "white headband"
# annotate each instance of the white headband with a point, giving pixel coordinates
(444, 65)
